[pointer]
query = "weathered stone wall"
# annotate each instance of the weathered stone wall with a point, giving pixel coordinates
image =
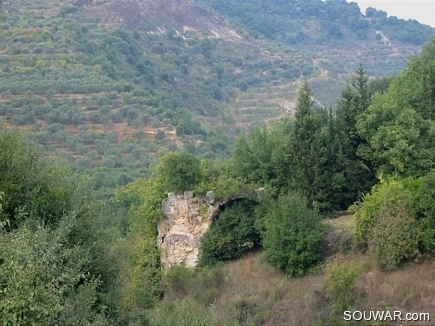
(187, 220)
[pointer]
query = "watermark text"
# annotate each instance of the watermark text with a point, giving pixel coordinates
(385, 316)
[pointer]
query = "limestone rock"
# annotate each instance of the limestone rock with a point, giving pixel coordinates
(179, 234)
(209, 197)
(187, 220)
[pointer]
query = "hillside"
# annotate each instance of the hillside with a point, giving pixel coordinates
(312, 220)
(253, 293)
(107, 84)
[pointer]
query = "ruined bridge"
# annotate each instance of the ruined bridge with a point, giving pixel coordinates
(187, 219)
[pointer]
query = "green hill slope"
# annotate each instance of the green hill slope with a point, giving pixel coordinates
(110, 83)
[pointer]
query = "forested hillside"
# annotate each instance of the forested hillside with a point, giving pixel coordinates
(107, 85)
(68, 258)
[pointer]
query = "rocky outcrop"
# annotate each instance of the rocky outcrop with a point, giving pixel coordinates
(186, 17)
(187, 220)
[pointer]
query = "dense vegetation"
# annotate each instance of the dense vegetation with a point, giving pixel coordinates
(120, 104)
(109, 98)
(67, 258)
(337, 18)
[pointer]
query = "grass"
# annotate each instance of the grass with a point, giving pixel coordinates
(250, 292)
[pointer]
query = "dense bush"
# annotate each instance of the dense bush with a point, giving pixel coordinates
(54, 255)
(179, 171)
(395, 236)
(45, 280)
(424, 211)
(385, 222)
(387, 195)
(232, 233)
(339, 284)
(31, 182)
(294, 235)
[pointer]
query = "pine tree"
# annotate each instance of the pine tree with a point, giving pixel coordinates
(307, 151)
(334, 182)
(358, 173)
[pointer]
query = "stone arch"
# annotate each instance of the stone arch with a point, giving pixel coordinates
(187, 219)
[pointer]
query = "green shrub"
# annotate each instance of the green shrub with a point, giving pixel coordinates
(180, 313)
(424, 211)
(395, 236)
(224, 186)
(232, 233)
(45, 280)
(390, 192)
(178, 279)
(385, 222)
(294, 235)
(180, 171)
(339, 283)
(31, 182)
(160, 134)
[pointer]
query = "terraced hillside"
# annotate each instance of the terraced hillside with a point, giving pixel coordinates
(111, 83)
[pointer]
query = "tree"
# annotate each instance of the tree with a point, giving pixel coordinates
(424, 210)
(141, 278)
(44, 279)
(306, 149)
(32, 183)
(294, 235)
(398, 127)
(230, 235)
(179, 171)
(160, 134)
(334, 185)
(358, 173)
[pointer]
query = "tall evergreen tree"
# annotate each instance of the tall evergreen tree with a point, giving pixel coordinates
(307, 151)
(358, 173)
(333, 176)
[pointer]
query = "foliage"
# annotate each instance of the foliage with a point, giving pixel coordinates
(69, 262)
(141, 279)
(395, 236)
(307, 151)
(358, 173)
(67, 258)
(31, 183)
(179, 171)
(261, 158)
(1, 201)
(387, 195)
(225, 186)
(333, 189)
(398, 126)
(340, 283)
(294, 235)
(60, 66)
(424, 211)
(269, 21)
(44, 279)
(232, 233)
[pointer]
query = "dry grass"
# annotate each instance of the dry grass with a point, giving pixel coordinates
(411, 289)
(300, 301)
(344, 222)
(270, 298)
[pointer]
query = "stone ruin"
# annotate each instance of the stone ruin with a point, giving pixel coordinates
(180, 232)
